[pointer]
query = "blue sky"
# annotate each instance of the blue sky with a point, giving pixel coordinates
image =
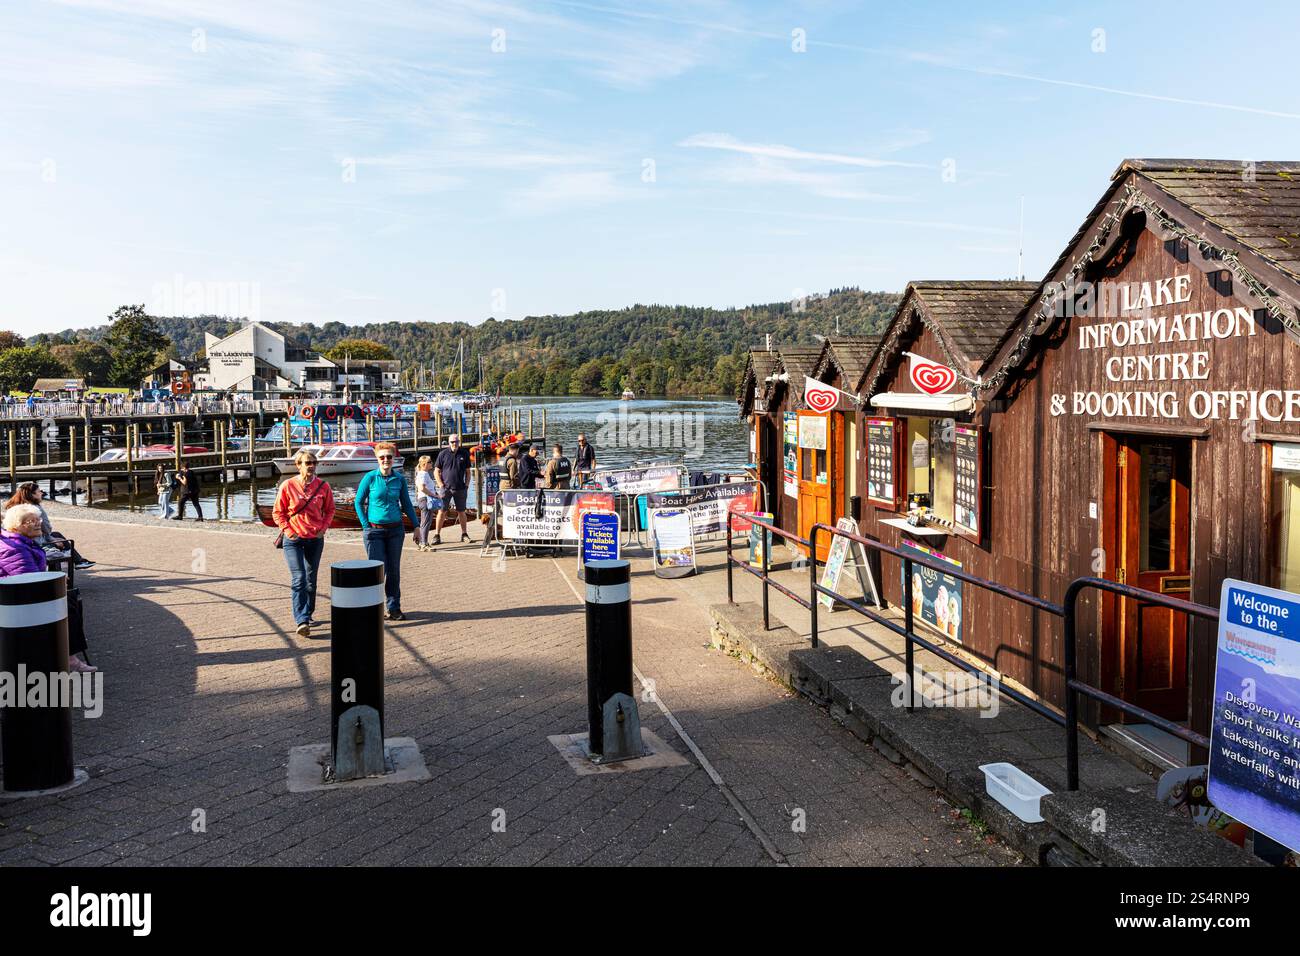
(318, 161)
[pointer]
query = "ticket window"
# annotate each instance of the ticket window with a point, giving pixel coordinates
(1286, 495)
(930, 465)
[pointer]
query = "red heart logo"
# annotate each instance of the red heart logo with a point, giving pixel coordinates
(820, 399)
(932, 379)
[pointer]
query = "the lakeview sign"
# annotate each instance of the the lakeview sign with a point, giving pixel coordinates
(1129, 308)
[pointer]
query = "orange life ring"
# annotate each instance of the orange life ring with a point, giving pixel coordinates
(348, 411)
(308, 411)
(331, 412)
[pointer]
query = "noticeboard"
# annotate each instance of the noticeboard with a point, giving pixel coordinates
(789, 454)
(1254, 773)
(967, 492)
(882, 461)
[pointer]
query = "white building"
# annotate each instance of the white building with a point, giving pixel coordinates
(259, 359)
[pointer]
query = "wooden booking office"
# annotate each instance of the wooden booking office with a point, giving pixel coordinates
(1134, 416)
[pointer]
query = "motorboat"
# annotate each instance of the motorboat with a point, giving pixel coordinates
(628, 395)
(339, 458)
(146, 452)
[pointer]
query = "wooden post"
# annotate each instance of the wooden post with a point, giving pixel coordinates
(288, 437)
(31, 446)
(130, 461)
(219, 436)
(72, 460)
(439, 435)
(543, 422)
(252, 452)
(370, 427)
(88, 456)
(178, 436)
(13, 460)
(530, 424)
(460, 425)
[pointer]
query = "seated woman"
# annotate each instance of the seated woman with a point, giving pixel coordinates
(29, 493)
(21, 553)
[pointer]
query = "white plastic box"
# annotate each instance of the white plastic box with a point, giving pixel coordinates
(1014, 789)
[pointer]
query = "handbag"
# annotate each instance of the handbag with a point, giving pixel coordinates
(279, 538)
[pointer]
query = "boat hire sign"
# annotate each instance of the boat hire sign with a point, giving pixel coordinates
(1151, 351)
(558, 518)
(1254, 773)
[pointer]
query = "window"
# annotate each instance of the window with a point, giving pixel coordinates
(917, 453)
(943, 471)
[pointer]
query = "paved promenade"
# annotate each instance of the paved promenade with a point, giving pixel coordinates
(208, 688)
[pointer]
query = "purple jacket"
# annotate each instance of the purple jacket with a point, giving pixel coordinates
(19, 554)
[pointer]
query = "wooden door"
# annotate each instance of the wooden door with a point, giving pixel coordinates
(816, 477)
(1153, 514)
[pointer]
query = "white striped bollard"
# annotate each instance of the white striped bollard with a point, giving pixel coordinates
(37, 741)
(357, 669)
(612, 717)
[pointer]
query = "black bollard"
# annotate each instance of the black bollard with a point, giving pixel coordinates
(37, 741)
(615, 727)
(357, 669)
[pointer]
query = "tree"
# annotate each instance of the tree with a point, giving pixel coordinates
(11, 340)
(88, 360)
(21, 367)
(358, 349)
(135, 343)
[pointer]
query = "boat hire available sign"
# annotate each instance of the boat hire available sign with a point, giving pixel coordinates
(1254, 771)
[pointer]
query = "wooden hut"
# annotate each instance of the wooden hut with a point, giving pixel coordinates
(1138, 420)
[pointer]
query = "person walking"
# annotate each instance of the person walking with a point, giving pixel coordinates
(559, 470)
(425, 493)
(381, 501)
(585, 462)
(451, 472)
(164, 482)
(187, 481)
(304, 507)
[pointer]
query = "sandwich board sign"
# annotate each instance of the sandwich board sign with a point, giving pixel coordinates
(674, 549)
(1255, 734)
(834, 566)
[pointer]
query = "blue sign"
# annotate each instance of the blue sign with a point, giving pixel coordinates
(599, 536)
(1254, 773)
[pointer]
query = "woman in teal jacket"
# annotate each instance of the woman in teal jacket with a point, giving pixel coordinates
(382, 499)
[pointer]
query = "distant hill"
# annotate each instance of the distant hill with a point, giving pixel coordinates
(654, 349)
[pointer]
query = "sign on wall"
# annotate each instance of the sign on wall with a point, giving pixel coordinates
(881, 466)
(812, 432)
(936, 597)
(1150, 349)
(789, 454)
(1286, 457)
(1255, 736)
(710, 505)
(825, 398)
(966, 474)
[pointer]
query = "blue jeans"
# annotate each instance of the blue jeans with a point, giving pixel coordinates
(303, 555)
(385, 544)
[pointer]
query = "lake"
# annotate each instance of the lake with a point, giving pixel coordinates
(704, 434)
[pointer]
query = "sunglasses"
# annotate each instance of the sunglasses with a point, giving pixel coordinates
(384, 457)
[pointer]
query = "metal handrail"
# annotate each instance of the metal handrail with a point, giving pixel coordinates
(1073, 686)
(1066, 611)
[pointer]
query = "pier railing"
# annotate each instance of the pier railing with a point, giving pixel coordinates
(1066, 612)
(19, 411)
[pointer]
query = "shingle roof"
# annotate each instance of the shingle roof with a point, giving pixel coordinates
(1257, 205)
(798, 361)
(974, 316)
(850, 357)
(758, 367)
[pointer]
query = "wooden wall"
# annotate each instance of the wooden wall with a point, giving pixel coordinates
(1042, 470)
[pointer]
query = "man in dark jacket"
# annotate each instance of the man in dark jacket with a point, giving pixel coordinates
(529, 470)
(187, 489)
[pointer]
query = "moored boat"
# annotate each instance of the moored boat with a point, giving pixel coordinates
(341, 458)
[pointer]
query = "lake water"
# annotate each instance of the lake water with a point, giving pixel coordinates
(705, 435)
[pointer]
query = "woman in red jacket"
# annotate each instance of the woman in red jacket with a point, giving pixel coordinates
(304, 507)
